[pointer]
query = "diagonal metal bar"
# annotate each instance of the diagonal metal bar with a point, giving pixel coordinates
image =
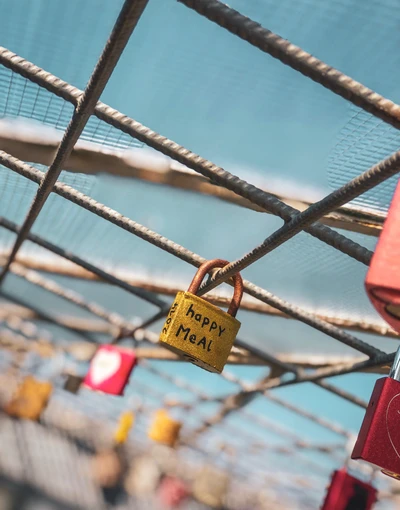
(184, 254)
(92, 159)
(216, 174)
(122, 30)
(238, 401)
(364, 182)
(104, 275)
(289, 368)
(341, 393)
(53, 267)
(374, 327)
(231, 402)
(297, 59)
(383, 359)
(43, 316)
(71, 296)
(246, 395)
(334, 427)
(273, 426)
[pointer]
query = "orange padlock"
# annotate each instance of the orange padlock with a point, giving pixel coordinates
(30, 399)
(164, 429)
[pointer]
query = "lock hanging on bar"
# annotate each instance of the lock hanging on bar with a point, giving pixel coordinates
(110, 369)
(383, 278)
(126, 421)
(164, 429)
(172, 492)
(378, 441)
(346, 492)
(72, 383)
(30, 399)
(199, 331)
(210, 486)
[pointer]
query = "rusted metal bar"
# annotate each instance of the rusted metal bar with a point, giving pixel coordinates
(175, 151)
(119, 37)
(169, 289)
(91, 159)
(297, 58)
(184, 254)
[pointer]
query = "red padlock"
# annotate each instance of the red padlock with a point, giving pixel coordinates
(383, 278)
(347, 492)
(110, 369)
(172, 492)
(378, 441)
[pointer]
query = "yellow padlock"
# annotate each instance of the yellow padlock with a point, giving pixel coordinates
(164, 429)
(30, 399)
(126, 421)
(210, 487)
(199, 331)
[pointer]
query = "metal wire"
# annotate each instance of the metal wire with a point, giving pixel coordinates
(288, 368)
(69, 295)
(162, 144)
(43, 316)
(123, 28)
(53, 267)
(233, 404)
(297, 59)
(184, 254)
(104, 275)
(87, 103)
(372, 177)
(126, 328)
(193, 408)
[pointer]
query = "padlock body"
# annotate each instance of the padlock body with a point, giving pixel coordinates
(210, 487)
(172, 492)
(199, 331)
(378, 441)
(164, 429)
(346, 492)
(110, 369)
(73, 383)
(125, 424)
(30, 399)
(383, 278)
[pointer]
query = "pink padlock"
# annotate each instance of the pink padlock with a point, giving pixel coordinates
(110, 369)
(383, 279)
(172, 492)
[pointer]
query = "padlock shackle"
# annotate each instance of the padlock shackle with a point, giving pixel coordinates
(237, 280)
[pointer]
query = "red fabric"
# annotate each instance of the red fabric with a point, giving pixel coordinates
(110, 369)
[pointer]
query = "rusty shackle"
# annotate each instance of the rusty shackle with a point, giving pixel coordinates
(237, 280)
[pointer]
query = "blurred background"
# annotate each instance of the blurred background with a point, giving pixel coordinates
(216, 95)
